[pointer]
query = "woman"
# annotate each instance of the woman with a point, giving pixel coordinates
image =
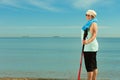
(91, 45)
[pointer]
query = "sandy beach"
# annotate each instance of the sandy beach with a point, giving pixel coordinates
(27, 79)
(8, 78)
(30, 79)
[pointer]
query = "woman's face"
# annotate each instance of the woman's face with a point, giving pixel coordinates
(88, 17)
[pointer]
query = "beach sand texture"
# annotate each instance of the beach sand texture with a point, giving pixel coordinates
(38, 79)
(32, 79)
(29, 79)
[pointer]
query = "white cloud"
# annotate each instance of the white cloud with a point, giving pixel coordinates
(9, 3)
(83, 3)
(50, 4)
(88, 3)
(42, 4)
(13, 3)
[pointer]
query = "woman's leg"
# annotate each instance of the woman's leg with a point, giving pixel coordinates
(90, 75)
(91, 65)
(95, 74)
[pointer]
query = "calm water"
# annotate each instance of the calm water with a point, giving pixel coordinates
(55, 58)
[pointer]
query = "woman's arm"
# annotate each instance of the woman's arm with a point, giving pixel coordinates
(93, 30)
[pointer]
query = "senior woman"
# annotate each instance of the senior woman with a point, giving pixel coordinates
(91, 45)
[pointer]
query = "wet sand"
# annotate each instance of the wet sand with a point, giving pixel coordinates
(33, 79)
(29, 79)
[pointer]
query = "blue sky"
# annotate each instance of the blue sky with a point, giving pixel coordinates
(44, 18)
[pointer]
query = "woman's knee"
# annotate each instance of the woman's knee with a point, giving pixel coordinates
(90, 75)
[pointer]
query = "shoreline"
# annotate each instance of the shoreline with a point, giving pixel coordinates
(15, 78)
(11, 78)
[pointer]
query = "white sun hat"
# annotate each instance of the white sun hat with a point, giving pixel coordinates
(91, 12)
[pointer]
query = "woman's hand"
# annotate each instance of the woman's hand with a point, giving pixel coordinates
(85, 42)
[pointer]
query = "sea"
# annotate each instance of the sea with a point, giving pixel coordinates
(56, 57)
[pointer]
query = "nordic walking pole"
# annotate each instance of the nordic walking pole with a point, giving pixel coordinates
(82, 54)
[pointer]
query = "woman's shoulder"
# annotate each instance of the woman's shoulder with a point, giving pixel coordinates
(94, 24)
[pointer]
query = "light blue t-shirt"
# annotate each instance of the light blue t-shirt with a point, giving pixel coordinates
(93, 46)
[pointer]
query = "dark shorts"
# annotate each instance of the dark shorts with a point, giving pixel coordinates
(90, 61)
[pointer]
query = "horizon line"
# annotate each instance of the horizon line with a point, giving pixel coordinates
(55, 37)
